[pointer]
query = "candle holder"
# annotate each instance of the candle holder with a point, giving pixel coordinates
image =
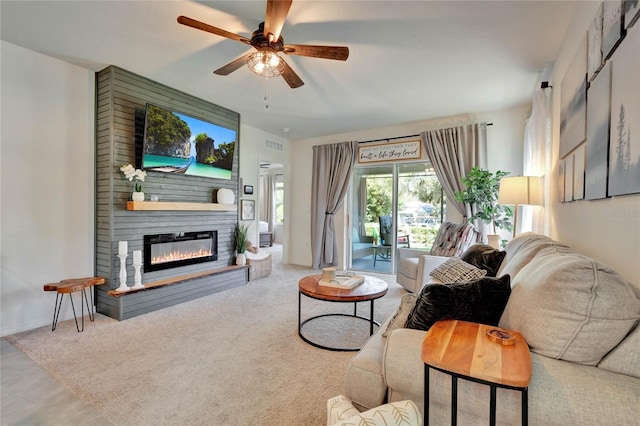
(137, 277)
(123, 273)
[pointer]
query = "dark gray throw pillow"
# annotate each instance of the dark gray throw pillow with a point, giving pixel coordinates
(483, 256)
(481, 301)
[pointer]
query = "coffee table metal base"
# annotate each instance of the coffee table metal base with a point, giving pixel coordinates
(355, 315)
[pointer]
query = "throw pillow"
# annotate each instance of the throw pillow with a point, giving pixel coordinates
(407, 302)
(483, 256)
(455, 270)
(481, 301)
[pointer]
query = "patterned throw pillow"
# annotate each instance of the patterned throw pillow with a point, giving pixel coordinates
(483, 256)
(480, 301)
(393, 413)
(455, 270)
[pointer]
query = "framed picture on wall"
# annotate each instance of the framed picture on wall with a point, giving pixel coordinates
(573, 108)
(631, 12)
(578, 172)
(595, 45)
(612, 27)
(624, 145)
(247, 209)
(598, 117)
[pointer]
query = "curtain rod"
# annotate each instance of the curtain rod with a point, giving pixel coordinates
(401, 137)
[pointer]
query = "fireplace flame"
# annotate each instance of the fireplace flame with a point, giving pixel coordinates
(180, 255)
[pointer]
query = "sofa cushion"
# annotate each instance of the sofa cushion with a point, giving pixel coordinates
(455, 270)
(482, 300)
(522, 249)
(398, 320)
(364, 382)
(453, 239)
(485, 257)
(569, 307)
(623, 358)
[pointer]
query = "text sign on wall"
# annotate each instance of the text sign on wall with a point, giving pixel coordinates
(409, 150)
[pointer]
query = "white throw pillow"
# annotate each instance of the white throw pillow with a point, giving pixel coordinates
(455, 270)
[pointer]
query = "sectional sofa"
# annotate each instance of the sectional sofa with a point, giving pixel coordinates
(580, 320)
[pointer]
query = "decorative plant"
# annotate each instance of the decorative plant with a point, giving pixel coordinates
(241, 237)
(481, 192)
(132, 173)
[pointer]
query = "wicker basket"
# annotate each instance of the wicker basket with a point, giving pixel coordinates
(259, 266)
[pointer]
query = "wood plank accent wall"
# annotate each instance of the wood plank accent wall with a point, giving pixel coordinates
(121, 99)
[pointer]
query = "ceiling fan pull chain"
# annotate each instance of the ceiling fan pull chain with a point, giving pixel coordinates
(266, 92)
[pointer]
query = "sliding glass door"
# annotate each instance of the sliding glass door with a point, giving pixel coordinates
(393, 205)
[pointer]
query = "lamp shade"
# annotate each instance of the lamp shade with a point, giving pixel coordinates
(520, 190)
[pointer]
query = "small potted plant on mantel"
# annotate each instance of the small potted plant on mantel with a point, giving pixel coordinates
(241, 243)
(481, 192)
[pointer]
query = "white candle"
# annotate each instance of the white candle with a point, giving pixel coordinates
(137, 257)
(122, 248)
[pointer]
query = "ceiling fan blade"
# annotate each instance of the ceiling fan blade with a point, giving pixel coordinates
(274, 20)
(211, 29)
(338, 53)
(290, 76)
(233, 65)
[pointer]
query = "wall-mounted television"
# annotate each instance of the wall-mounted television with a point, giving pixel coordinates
(179, 143)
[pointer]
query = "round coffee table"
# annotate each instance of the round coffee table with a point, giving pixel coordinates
(370, 290)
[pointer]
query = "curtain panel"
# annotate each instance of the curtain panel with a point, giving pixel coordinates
(267, 197)
(537, 142)
(453, 152)
(332, 168)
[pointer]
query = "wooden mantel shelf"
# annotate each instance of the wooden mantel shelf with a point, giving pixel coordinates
(166, 205)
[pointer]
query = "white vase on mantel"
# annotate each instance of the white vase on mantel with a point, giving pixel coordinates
(137, 196)
(225, 196)
(241, 259)
(494, 240)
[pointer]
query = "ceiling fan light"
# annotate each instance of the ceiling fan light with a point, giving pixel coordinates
(266, 63)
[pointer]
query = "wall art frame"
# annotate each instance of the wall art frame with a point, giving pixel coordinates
(624, 146)
(595, 45)
(573, 102)
(247, 209)
(631, 12)
(612, 27)
(598, 121)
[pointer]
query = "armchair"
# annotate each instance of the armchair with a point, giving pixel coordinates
(414, 265)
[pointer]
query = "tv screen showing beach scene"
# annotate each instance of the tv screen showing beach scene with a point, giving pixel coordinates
(178, 143)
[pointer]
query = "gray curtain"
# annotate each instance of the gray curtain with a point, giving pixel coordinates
(453, 152)
(332, 168)
(362, 205)
(267, 201)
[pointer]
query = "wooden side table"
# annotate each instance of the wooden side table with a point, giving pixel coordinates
(70, 286)
(464, 350)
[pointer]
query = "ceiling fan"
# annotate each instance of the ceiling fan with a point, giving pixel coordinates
(268, 42)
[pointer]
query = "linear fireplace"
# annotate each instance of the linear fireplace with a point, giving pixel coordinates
(164, 251)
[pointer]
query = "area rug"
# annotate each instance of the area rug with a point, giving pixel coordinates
(231, 358)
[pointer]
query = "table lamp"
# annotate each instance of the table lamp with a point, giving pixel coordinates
(520, 190)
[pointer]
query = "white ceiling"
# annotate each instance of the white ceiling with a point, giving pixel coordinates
(409, 60)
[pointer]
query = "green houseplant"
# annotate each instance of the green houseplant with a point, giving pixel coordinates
(241, 243)
(481, 192)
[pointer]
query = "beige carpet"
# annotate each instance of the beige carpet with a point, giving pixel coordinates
(232, 358)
